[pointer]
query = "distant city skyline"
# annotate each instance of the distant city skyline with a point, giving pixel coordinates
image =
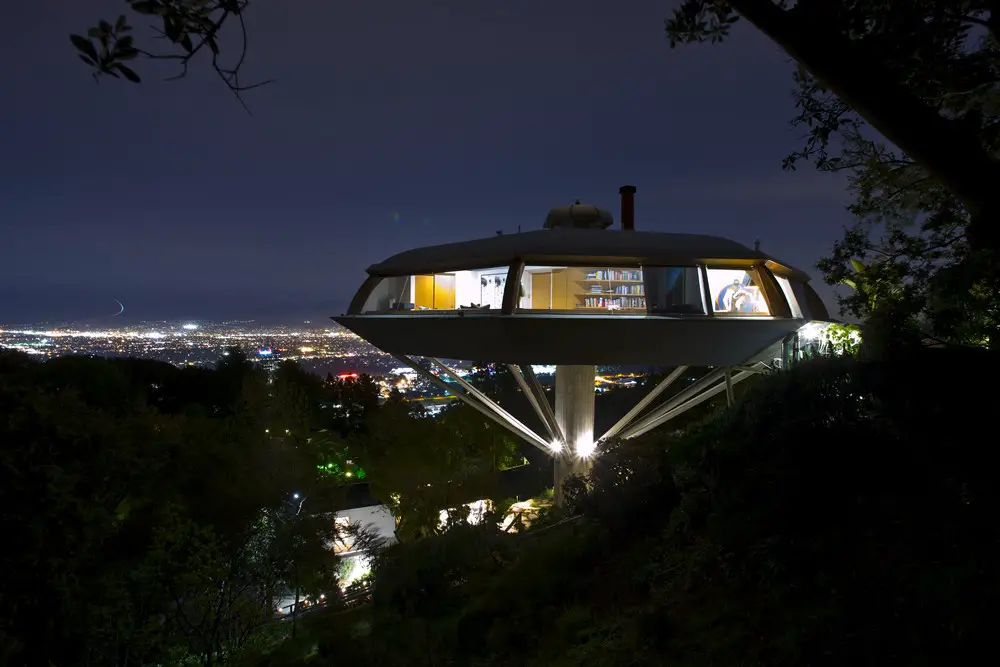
(321, 347)
(76, 305)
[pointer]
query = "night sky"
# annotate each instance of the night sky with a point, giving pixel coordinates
(391, 124)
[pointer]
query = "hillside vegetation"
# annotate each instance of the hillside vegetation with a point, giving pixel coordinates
(843, 513)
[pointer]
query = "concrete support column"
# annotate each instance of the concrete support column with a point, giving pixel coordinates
(575, 415)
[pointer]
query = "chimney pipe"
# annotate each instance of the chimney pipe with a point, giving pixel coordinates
(628, 207)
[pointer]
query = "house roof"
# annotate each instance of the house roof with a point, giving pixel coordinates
(556, 246)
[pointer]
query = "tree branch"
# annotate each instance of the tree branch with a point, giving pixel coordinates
(945, 147)
(191, 27)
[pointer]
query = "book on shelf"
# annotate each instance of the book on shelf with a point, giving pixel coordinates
(615, 274)
(630, 302)
(620, 290)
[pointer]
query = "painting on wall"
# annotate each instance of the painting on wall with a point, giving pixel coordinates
(491, 290)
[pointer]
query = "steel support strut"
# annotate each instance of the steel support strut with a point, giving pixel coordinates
(730, 398)
(571, 425)
(539, 403)
(484, 405)
(643, 404)
(688, 399)
(704, 383)
(510, 419)
(543, 401)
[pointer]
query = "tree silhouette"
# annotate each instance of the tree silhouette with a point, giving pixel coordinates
(886, 61)
(188, 29)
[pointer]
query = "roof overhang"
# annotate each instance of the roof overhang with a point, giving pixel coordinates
(578, 247)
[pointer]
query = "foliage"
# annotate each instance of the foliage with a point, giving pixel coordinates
(188, 28)
(320, 419)
(144, 501)
(160, 512)
(625, 486)
(909, 243)
(842, 339)
(840, 514)
(924, 76)
(429, 577)
(420, 466)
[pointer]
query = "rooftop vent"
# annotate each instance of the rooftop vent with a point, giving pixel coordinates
(578, 216)
(628, 207)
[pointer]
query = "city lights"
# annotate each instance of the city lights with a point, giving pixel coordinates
(328, 351)
(321, 350)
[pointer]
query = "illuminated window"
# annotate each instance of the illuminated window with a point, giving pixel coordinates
(390, 294)
(434, 292)
(674, 290)
(480, 289)
(736, 292)
(583, 289)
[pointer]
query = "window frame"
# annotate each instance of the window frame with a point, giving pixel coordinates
(706, 308)
(755, 271)
(586, 312)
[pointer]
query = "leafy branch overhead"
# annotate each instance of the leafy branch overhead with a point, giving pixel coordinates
(182, 29)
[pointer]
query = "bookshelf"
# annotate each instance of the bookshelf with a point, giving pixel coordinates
(610, 289)
(588, 289)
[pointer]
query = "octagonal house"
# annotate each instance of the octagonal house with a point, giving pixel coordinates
(576, 295)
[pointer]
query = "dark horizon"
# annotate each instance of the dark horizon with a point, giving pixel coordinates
(70, 306)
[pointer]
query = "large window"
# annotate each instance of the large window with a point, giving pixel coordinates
(479, 289)
(584, 289)
(674, 290)
(390, 294)
(736, 292)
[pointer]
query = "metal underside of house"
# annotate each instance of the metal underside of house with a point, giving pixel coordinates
(570, 339)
